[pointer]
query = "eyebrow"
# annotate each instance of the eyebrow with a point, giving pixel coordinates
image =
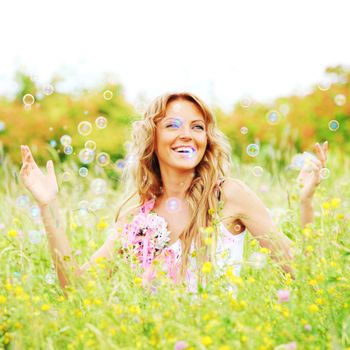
(196, 120)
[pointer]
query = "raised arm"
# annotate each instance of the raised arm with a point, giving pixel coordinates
(245, 204)
(309, 178)
(45, 190)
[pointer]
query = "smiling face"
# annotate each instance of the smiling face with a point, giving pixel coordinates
(181, 137)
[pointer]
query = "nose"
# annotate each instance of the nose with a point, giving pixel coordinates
(185, 132)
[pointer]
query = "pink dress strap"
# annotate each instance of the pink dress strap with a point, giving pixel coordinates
(147, 206)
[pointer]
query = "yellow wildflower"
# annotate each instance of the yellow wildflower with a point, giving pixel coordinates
(208, 241)
(206, 340)
(12, 233)
(101, 225)
(313, 308)
(45, 307)
(312, 282)
(309, 249)
(264, 250)
(335, 202)
(333, 264)
(138, 281)
(207, 267)
(2, 299)
(326, 205)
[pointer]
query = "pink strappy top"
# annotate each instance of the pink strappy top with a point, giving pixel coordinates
(229, 252)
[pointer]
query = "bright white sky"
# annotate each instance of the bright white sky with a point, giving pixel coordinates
(221, 50)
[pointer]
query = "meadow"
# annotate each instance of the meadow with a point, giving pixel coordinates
(268, 310)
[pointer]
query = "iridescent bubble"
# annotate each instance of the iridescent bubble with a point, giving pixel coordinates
(86, 155)
(28, 99)
(90, 144)
(98, 186)
(50, 278)
(97, 203)
(284, 109)
(272, 117)
(324, 85)
(258, 171)
(120, 164)
(2, 126)
(252, 150)
(299, 160)
(103, 159)
(35, 211)
(83, 172)
(324, 173)
(17, 275)
(34, 236)
(22, 201)
(246, 101)
(66, 176)
(48, 89)
(340, 100)
(257, 260)
(333, 125)
(101, 122)
(108, 95)
(65, 140)
(68, 149)
(84, 128)
(53, 143)
(244, 130)
(86, 112)
(172, 204)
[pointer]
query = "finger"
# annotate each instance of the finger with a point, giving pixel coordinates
(325, 148)
(50, 170)
(320, 153)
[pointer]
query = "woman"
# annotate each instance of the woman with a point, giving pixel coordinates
(179, 160)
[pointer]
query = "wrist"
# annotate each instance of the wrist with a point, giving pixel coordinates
(306, 200)
(47, 203)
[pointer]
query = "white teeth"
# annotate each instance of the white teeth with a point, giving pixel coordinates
(184, 149)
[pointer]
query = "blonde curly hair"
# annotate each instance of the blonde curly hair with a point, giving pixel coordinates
(141, 179)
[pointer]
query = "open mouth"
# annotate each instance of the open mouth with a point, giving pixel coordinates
(184, 150)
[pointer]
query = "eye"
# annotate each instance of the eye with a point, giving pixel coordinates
(173, 125)
(199, 126)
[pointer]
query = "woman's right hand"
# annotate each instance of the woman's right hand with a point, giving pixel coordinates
(43, 187)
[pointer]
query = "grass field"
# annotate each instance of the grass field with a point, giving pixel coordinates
(269, 311)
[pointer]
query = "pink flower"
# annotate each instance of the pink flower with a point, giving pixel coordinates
(288, 346)
(283, 295)
(180, 345)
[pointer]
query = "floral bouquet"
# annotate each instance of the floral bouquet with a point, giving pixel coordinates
(147, 234)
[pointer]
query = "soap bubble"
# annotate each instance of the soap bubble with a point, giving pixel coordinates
(83, 172)
(252, 150)
(28, 99)
(101, 122)
(103, 159)
(272, 117)
(172, 204)
(50, 278)
(244, 130)
(324, 85)
(84, 128)
(65, 140)
(90, 144)
(258, 171)
(340, 100)
(22, 201)
(299, 160)
(98, 186)
(284, 109)
(17, 275)
(34, 211)
(97, 203)
(34, 236)
(66, 176)
(245, 101)
(48, 89)
(324, 173)
(53, 143)
(120, 164)
(333, 125)
(108, 95)
(257, 260)
(86, 155)
(68, 149)
(2, 126)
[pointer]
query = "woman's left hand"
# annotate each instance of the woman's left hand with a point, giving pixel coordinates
(310, 174)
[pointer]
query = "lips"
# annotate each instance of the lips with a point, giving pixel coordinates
(184, 149)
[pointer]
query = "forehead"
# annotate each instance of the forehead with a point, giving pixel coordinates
(185, 109)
